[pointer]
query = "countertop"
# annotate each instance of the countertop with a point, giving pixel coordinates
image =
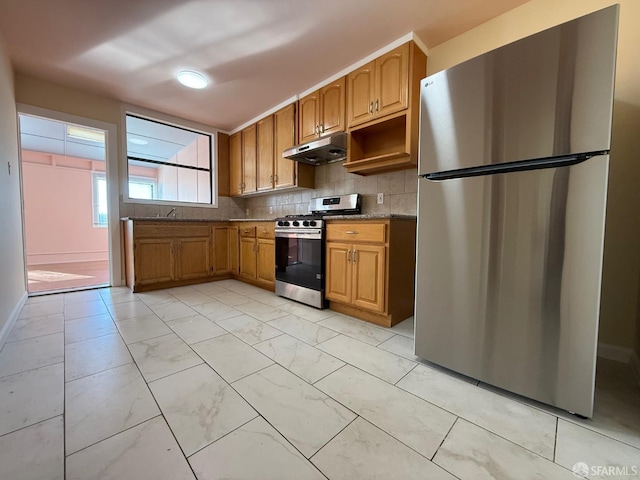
(371, 216)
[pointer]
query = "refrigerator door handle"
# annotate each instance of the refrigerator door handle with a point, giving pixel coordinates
(492, 169)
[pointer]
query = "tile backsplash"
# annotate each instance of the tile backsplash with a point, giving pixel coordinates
(399, 188)
(227, 208)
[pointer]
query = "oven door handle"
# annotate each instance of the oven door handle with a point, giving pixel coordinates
(313, 235)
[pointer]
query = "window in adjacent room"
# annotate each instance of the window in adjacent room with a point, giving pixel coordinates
(168, 163)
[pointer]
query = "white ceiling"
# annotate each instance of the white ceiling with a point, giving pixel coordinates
(258, 53)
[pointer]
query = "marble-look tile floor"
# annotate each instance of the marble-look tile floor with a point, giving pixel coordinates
(226, 381)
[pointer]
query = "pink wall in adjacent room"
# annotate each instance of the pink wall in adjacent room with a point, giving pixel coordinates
(58, 209)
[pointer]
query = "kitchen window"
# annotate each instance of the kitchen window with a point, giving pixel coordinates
(168, 163)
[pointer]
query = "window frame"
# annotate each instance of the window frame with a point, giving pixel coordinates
(96, 176)
(176, 123)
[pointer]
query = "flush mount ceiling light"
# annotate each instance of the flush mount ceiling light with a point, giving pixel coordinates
(138, 141)
(83, 133)
(192, 79)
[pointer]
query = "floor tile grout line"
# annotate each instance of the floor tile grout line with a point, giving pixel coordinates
(226, 434)
(371, 421)
(111, 436)
(33, 425)
(33, 369)
(555, 440)
(472, 422)
(401, 378)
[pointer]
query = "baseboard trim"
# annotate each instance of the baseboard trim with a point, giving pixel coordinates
(4, 333)
(615, 353)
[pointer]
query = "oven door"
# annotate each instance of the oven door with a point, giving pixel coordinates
(300, 258)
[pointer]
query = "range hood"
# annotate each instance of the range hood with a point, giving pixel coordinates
(331, 148)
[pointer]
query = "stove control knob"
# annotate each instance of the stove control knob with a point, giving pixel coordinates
(305, 223)
(285, 223)
(312, 223)
(280, 223)
(296, 223)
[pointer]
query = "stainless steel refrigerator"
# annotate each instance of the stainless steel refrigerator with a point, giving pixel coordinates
(514, 162)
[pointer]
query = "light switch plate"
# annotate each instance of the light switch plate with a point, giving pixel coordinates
(380, 198)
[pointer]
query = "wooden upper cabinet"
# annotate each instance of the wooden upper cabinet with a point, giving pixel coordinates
(284, 137)
(392, 86)
(379, 87)
(235, 164)
(332, 107)
(361, 94)
(249, 183)
(308, 114)
(264, 154)
(322, 112)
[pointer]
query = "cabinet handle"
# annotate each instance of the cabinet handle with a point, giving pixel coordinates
(371, 107)
(349, 256)
(321, 128)
(377, 105)
(351, 232)
(271, 179)
(355, 256)
(275, 178)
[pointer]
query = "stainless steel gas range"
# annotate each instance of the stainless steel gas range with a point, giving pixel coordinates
(300, 249)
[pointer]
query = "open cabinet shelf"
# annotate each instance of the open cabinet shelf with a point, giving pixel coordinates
(382, 147)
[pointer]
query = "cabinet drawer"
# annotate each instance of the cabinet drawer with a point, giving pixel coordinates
(265, 231)
(247, 231)
(357, 232)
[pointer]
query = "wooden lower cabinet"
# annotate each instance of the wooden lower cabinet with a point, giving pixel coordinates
(154, 258)
(266, 261)
(248, 257)
(257, 254)
(370, 269)
(356, 274)
(193, 259)
(164, 254)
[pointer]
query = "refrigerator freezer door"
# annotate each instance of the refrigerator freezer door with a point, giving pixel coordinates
(548, 95)
(508, 279)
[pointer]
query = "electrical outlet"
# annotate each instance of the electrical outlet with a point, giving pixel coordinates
(380, 198)
(246, 212)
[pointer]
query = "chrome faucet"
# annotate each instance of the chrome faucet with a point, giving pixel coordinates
(171, 211)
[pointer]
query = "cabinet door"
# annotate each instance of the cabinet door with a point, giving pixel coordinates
(368, 264)
(264, 154)
(332, 102)
(392, 81)
(234, 257)
(221, 251)
(266, 261)
(308, 114)
(248, 257)
(284, 137)
(360, 94)
(235, 164)
(338, 272)
(194, 257)
(154, 260)
(249, 159)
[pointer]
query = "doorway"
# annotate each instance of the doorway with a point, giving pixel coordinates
(65, 204)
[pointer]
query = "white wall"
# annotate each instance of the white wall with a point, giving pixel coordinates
(12, 282)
